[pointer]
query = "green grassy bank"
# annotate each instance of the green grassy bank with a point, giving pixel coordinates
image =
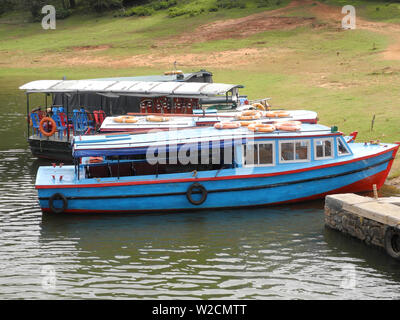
(343, 75)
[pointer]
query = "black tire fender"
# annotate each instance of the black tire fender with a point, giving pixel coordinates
(392, 242)
(58, 196)
(203, 191)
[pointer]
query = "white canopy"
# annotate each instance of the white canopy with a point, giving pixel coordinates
(124, 87)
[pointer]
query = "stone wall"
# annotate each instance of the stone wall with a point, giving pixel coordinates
(374, 221)
(365, 229)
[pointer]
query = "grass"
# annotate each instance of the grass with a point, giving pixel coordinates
(372, 10)
(339, 74)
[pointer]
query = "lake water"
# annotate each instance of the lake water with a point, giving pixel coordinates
(280, 252)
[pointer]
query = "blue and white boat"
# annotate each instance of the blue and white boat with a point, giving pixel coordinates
(206, 168)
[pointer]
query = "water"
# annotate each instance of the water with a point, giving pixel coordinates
(281, 252)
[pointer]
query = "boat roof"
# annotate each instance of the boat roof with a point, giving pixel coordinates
(128, 144)
(160, 78)
(132, 88)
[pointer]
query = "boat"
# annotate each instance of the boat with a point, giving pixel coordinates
(81, 110)
(79, 107)
(223, 166)
(183, 105)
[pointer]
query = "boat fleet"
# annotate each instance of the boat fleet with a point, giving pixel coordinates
(182, 145)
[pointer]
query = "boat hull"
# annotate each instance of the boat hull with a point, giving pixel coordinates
(51, 149)
(232, 190)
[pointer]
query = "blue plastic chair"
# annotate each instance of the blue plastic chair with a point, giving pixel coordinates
(77, 122)
(60, 127)
(86, 123)
(35, 123)
(85, 115)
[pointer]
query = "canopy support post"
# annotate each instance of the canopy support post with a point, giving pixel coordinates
(27, 114)
(67, 124)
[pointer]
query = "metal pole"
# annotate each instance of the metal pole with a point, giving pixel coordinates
(27, 112)
(67, 124)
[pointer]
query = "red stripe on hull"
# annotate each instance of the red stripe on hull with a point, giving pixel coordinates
(131, 183)
(359, 186)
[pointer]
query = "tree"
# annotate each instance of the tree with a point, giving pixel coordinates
(103, 5)
(6, 5)
(35, 7)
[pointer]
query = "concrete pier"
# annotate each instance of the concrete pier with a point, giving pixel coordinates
(374, 221)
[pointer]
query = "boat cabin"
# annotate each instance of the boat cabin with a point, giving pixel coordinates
(205, 149)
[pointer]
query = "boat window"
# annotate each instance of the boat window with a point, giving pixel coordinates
(342, 149)
(323, 148)
(297, 150)
(259, 154)
(265, 153)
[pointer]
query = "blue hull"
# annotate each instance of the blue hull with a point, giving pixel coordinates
(232, 188)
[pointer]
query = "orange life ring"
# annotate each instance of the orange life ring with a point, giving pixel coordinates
(277, 114)
(126, 119)
(250, 113)
(53, 126)
(227, 125)
(261, 127)
(156, 118)
(289, 128)
(96, 159)
(246, 123)
(259, 106)
(254, 117)
(172, 72)
(288, 125)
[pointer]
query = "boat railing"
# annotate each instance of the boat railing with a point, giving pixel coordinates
(78, 122)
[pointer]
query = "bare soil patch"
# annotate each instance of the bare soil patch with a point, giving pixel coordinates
(325, 16)
(221, 59)
(243, 27)
(90, 48)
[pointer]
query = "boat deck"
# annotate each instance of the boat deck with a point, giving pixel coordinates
(193, 135)
(53, 138)
(188, 121)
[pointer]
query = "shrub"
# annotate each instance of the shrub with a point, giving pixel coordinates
(230, 4)
(160, 5)
(176, 12)
(103, 5)
(6, 5)
(262, 3)
(62, 13)
(138, 11)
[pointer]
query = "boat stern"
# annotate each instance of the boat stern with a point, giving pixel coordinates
(50, 181)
